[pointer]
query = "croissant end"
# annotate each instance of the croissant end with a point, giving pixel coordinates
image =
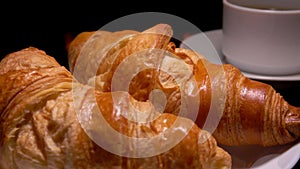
(293, 122)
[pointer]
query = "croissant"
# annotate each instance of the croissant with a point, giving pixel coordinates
(234, 108)
(50, 120)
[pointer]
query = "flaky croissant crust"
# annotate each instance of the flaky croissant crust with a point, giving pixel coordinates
(40, 127)
(253, 112)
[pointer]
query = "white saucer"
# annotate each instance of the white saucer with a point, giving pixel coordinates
(215, 37)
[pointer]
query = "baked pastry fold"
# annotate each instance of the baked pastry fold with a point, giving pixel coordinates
(50, 120)
(246, 112)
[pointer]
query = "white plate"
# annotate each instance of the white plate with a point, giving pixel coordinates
(255, 157)
(200, 43)
(276, 157)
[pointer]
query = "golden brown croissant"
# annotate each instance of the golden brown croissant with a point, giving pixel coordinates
(248, 112)
(49, 120)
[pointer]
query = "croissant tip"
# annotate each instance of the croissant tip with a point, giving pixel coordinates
(161, 28)
(293, 123)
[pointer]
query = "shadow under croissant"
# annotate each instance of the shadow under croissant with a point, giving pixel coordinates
(255, 156)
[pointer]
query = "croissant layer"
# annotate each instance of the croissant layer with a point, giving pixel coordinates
(50, 120)
(247, 112)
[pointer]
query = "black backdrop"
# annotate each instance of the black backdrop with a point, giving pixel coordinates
(50, 26)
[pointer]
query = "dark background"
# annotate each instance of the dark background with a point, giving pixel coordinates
(50, 26)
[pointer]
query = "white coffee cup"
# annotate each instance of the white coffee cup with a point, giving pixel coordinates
(262, 36)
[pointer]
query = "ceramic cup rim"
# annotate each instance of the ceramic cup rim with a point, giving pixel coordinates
(260, 11)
